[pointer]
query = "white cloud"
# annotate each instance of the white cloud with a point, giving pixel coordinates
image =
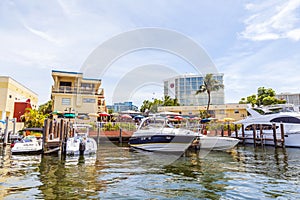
(270, 20)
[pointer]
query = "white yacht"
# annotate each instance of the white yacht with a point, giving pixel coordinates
(81, 143)
(267, 117)
(159, 134)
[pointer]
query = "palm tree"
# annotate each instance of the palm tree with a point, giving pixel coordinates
(209, 85)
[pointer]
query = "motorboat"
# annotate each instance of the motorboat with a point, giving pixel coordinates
(159, 134)
(217, 142)
(81, 143)
(28, 144)
(162, 134)
(266, 119)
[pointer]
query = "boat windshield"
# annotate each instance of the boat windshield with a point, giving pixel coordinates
(160, 123)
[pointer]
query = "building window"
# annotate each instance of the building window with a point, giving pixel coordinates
(66, 101)
(10, 96)
(236, 111)
(62, 83)
(88, 100)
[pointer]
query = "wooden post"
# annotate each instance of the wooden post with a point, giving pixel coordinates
(228, 130)
(254, 134)
(45, 134)
(14, 126)
(261, 134)
(61, 136)
(274, 134)
(6, 132)
(236, 131)
(282, 135)
(98, 133)
(222, 130)
(243, 133)
(61, 133)
(120, 136)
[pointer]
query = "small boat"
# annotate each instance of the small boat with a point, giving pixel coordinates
(159, 134)
(29, 144)
(216, 142)
(81, 143)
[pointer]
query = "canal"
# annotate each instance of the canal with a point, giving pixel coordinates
(117, 172)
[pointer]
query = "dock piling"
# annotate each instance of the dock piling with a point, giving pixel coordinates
(254, 134)
(274, 134)
(282, 135)
(120, 136)
(243, 134)
(236, 131)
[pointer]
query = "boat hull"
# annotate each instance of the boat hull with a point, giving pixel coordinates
(162, 143)
(217, 143)
(76, 146)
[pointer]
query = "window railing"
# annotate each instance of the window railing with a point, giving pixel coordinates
(75, 90)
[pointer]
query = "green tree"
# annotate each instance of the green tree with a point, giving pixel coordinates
(209, 85)
(146, 106)
(34, 118)
(46, 108)
(264, 96)
(152, 106)
(168, 101)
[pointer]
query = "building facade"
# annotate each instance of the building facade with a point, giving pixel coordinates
(235, 111)
(11, 92)
(290, 98)
(71, 92)
(119, 107)
(184, 88)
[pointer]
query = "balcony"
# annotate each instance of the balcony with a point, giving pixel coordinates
(74, 90)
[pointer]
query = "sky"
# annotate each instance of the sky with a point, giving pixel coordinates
(253, 43)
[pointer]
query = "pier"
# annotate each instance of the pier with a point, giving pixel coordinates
(56, 133)
(258, 134)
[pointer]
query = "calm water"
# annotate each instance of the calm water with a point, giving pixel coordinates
(118, 173)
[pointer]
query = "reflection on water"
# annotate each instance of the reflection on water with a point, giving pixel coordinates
(117, 172)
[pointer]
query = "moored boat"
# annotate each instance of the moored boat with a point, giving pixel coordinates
(158, 134)
(81, 143)
(27, 145)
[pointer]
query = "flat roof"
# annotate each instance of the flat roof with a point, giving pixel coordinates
(68, 72)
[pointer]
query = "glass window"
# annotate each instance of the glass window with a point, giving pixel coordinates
(88, 100)
(286, 120)
(66, 101)
(62, 83)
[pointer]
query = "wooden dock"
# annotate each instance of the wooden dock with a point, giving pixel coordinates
(56, 133)
(257, 135)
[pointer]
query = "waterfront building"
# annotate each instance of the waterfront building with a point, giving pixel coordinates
(290, 98)
(235, 111)
(13, 93)
(72, 93)
(184, 87)
(122, 106)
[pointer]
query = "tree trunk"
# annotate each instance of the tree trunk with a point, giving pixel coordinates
(208, 102)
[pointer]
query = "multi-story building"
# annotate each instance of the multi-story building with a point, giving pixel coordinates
(184, 88)
(235, 111)
(71, 92)
(11, 92)
(290, 98)
(119, 107)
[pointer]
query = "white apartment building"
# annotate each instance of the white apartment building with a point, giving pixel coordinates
(184, 87)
